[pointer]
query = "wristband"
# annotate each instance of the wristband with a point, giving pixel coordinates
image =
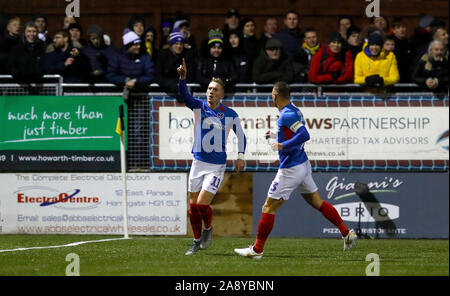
(241, 156)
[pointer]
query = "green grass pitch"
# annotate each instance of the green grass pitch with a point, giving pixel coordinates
(164, 256)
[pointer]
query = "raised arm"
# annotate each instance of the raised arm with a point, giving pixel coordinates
(183, 91)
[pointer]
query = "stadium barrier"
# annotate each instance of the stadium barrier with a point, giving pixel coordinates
(144, 135)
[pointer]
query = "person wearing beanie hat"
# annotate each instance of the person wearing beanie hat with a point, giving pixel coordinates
(374, 66)
(131, 68)
(216, 64)
(184, 27)
(168, 61)
(354, 42)
(175, 37)
(75, 31)
(232, 22)
(166, 29)
(333, 63)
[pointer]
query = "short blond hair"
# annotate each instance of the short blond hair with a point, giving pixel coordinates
(218, 81)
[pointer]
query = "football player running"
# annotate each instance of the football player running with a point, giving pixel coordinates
(294, 173)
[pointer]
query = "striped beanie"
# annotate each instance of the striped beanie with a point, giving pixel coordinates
(176, 37)
(215, 38)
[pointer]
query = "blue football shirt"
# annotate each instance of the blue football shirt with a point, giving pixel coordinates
(211, 128)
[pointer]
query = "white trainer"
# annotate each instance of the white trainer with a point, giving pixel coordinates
(350, 240)
(248, 252)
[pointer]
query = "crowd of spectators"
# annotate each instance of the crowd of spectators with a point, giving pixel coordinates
(376, 56)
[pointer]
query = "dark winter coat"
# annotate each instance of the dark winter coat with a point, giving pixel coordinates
(292, 40)
(429, 68)
(26, 61)
(266, 70)
(75, 73)
(125, 65)
(210, 67)
(166, 68)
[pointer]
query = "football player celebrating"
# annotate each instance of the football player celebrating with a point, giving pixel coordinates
(213, 122)
(294, 172)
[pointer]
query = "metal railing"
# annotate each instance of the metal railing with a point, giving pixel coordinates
(59, 88)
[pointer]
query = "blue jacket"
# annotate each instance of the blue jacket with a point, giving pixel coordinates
(124, 65)
(291, 39)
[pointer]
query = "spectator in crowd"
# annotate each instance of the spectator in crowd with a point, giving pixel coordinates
(150, 42)
(166, 29)
(10, 38)
(403, 50)
(98, 54)
(65, 59)
(332, 64)
(67, 21)
(184, 26)
(389, 45)
(136, 24)
(232, 22)
(422, 37)
(374, 67)
(240, 60)
(432, 70)
(216, 64)
(441, 34)
(250, 44)
(354, 43)
(41, 22)
(170, 59)
(75, 31)
(382, 24)
(311, 44)
(26, 59)
(301, 61)
(131, 68)
(291, 37)
(273, 65)
(344, 23)
(270, 29)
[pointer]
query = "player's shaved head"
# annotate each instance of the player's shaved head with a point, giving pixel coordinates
(282, 89)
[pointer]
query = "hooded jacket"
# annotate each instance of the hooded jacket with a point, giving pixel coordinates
(98, 56)
(384, 65)
(329, 67)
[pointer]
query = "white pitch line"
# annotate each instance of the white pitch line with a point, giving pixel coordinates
(62, 246)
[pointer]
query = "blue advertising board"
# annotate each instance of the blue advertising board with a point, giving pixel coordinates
(399, 205)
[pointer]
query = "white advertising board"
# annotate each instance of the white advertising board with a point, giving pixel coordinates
(344, 133)
(92, 203)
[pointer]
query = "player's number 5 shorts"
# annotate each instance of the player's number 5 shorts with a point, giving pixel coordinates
(288, 179)
(206, 176)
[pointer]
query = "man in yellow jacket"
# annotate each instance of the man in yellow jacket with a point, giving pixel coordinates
(375, 67)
